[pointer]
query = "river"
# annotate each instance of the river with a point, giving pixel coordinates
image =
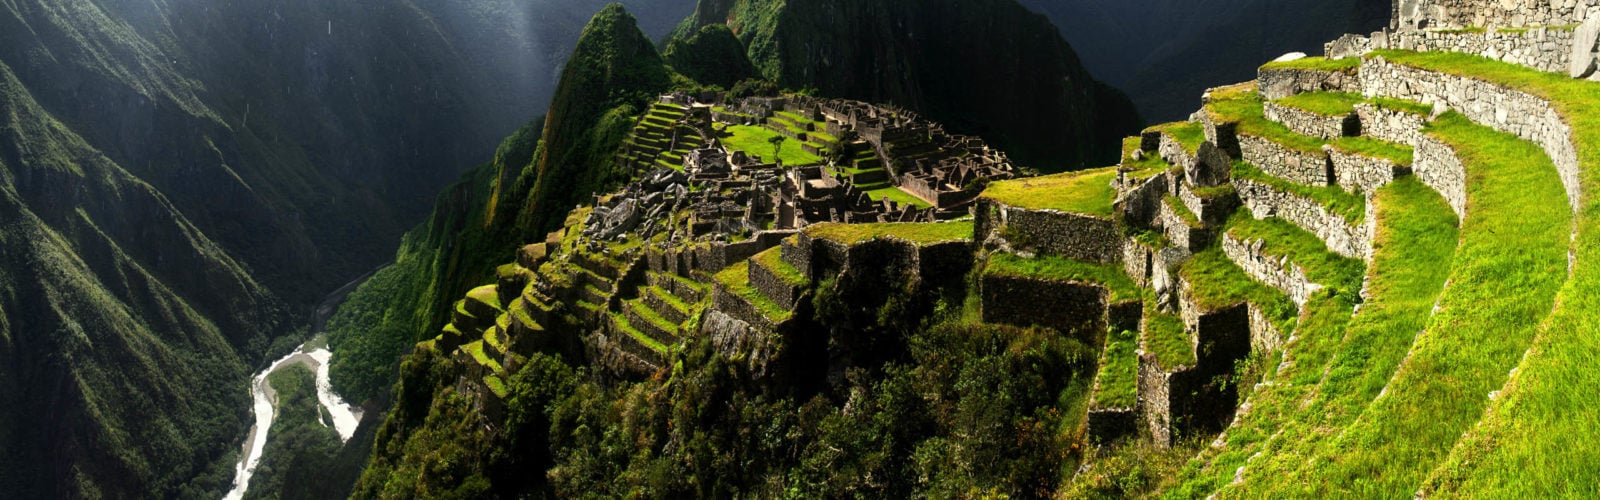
(314, 355)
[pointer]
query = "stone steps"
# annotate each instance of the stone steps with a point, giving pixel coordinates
(1343, 221)
(648, 322)
(1283, 256)
(775, 279)
(665, 304)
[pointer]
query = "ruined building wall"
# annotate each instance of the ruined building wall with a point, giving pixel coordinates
(1414, 14)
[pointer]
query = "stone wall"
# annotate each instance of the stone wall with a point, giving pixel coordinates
(1272, 270)
(1390, 124)
(1311, 124)
(1415, 14)
(1172, 151)
(1051, 232)
(768, 283)
(1506, 110)
(1343, 238)
(737, 307)
(1363, 174)
(1440, 169)
(1077, 309)
(1278, 83)
(1138, 261)
(1264, 336)
(1543, 49)
(1300, 167)
(942, 264)
(1139, 201)
(1212, 211)
(1179, 231)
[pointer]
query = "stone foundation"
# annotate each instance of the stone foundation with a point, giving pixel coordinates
(1077, 309)
(1390, 124)
(1051, 232)
(1300, 167)
(1279, 83)
(1312, 124)
(1506, 110)
(1362, 174)
(1343, 238)
(1440, 169)
(1272, 270)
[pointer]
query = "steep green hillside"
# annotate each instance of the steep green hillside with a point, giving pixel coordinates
(182, 182)
(987, 67)
(712, 55)
(479, 222)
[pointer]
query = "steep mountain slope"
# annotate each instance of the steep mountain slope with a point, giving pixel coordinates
(1165, 52)
(536, 176)
(181, 181)
(986, 67)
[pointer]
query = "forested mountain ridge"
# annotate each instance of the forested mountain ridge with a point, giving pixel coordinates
(986, 67)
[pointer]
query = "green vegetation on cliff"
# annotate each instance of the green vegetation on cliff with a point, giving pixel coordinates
(712, 56)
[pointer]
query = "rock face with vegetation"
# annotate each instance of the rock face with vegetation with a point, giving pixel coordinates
(988, 68)
(1249, 303)
(183, 181)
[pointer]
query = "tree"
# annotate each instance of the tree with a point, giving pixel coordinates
(777, 146)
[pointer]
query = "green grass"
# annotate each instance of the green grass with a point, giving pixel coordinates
(1283, 239)
(1117, 386)
(1510, 265)
(1374, 148)
(496, 385)
(919, 233)
(1150, 166)
(1414, 250)
(488, 295)
(897, 195)
(1531, 442)
(1188, 216)
(1188, 134)
(1087, 192)
(1245, 108)
(652, 316)
(737, 280)
(1324, 103)
(1415, 108)
(671, 300)
(772, 260)
(631, 331)
(1317, 64)
(753, 140)
(1049, 267)
(1217, 283)
(1166, 340)
(1352, 207)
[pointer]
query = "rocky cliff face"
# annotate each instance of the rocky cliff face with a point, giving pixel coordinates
(987, 67)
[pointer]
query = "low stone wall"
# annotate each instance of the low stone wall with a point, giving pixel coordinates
(1222, 134)
(1273, 270)
(1051, 232)
(1138, 261)
(1543, 49)
(1390, 124)
(1180, 232)
(1213, 211)
(1439, 168)
(1363, 174)
(1300, 167)
(1140, 201)
(737, 307)
(1412, 14)
(661, 307)
(1506, 110)
(1278, 83)
(1264, 336)
(1077, 309)
(1172, 151)
(767, 282)
(1353, 241)
(1311, 124)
